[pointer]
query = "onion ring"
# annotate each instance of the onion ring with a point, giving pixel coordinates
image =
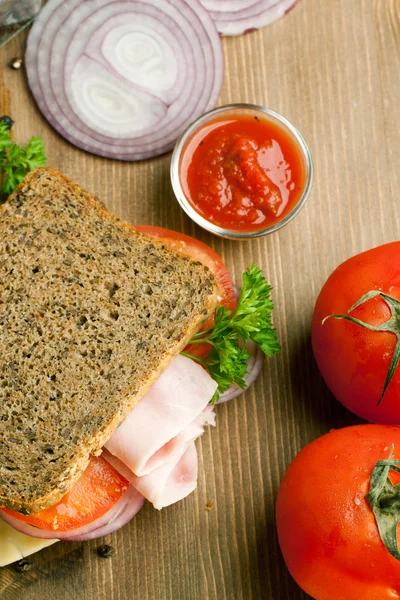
(123, 79)
(234, 17)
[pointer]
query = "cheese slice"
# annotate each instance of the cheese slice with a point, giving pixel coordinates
(15, 545)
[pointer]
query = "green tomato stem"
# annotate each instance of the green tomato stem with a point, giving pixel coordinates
(392, 325)
(384, 500)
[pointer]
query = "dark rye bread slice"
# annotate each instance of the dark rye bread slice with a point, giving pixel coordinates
(91, 313)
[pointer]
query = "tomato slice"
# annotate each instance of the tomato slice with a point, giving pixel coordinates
(95, 493)
(203, 253)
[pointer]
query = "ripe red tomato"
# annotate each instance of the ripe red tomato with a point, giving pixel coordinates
(355, 361)
(327, 531)
(95, 493)
(203, 253)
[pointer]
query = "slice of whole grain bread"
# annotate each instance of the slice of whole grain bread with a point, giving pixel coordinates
(91, 312)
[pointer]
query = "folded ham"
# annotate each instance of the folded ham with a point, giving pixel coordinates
(171, 482)
(154, 447)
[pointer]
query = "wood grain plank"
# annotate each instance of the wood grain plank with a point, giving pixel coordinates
(332, 68)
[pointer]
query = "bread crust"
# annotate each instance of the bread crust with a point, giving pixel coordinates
(32, 211)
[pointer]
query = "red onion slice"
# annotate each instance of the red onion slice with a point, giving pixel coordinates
(227, 5)
(234, 17)
(123, 79)
(119, 515)
(254, 366)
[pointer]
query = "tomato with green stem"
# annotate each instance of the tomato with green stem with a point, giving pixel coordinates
(337, 513)
(355, 333)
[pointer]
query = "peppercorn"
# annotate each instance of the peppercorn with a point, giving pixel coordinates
(105, 551)
(16, 63)
(22, 565)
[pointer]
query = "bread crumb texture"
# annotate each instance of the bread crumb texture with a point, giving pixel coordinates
(91, 312)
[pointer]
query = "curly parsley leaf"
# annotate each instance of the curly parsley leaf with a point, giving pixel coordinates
(252, 319)
(253, 316)
(227, 362)
(17, 161)
(5, 139)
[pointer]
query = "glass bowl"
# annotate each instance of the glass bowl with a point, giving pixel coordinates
(232, 110)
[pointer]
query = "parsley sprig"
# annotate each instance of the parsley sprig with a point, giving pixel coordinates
(227, 360)
(17, 161)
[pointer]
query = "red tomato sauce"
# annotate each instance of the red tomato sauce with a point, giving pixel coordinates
(242, 173)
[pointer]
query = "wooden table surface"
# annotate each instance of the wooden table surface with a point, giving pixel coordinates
(332, 68)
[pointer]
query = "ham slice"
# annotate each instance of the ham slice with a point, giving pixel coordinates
(171, 482)
(189, 434)
(154, 447)
(167, 418)
(176, 474)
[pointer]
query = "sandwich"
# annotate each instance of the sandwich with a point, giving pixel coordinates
(101, 403)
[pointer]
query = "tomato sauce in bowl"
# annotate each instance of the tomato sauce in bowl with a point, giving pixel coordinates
(241, 171)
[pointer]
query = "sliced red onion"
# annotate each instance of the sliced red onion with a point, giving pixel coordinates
(119, 515)
(123, 79)
(227, 5)
(234, 17)
(254, 366)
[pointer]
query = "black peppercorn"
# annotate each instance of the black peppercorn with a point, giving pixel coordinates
(105, 551)
(22, 565)
(7, 120)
